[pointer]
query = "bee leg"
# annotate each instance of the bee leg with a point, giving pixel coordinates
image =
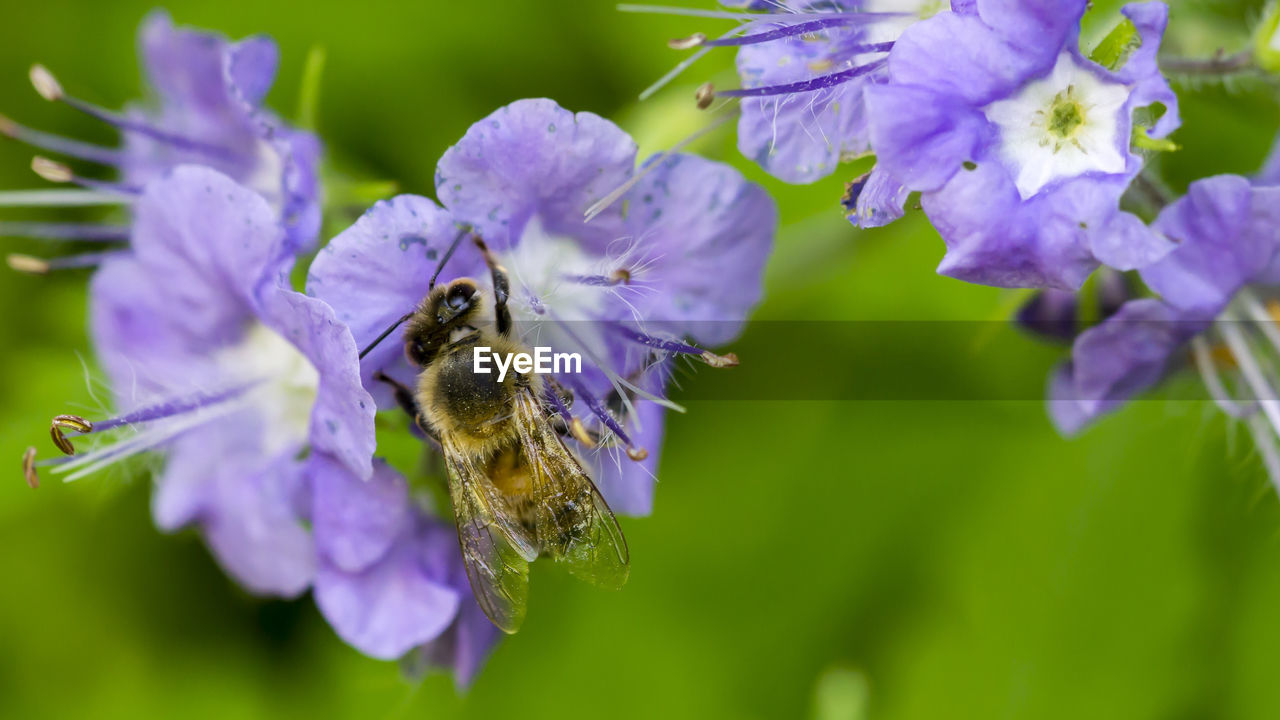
(404, 396)
(501, 289)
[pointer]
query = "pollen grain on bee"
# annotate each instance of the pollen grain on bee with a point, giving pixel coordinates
(542, 361)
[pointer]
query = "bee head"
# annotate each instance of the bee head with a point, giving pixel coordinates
(446, 309)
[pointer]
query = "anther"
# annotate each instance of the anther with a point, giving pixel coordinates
(705, 94)
(687, 43)
(29, 468)
(45, 83)
(579, 432)
(621, 275)
(70, 422)
(720, 361)
(52, 170)
(637, 454)
(27, 264)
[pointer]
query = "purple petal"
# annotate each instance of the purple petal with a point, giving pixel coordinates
(960, 56)
(207, 243)
(880, 201)
(704, 235)
(533, 157)
(1035, 26)
(396, 604)
(1227, 234)
(1141, 70)
(799, 137)
(248, 511)
(342, 417)
(921, 137)
(356, 521)
(994, 239)
(1127, 353)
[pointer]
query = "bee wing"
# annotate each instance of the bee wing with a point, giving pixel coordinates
(497, 566)
(574, 524)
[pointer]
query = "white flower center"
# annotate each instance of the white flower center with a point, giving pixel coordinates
(557, 290)
(288, 387)
(1060, 126)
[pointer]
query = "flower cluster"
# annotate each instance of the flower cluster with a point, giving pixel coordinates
(255, 397)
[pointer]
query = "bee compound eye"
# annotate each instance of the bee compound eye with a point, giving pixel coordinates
(460, 295)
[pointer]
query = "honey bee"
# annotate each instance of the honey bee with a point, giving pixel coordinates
(517, 491)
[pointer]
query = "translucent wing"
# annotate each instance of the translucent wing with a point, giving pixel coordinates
(497, 566)
(573, 523)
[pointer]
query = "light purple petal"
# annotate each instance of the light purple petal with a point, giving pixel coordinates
(1126, 243)
(534, 157)
(800, 137)
(389, 608)
(208, 244)
(356, 521)
(993, 239)
(880, 201)
(342, 417)
(1142, 72)
(703, 234)
(1227, 234)
(1126, 354)
(1036, 26)
(921, 137)
(960, 56)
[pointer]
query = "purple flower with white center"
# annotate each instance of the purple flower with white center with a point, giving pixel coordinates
(1018, 144)
(803, 65)
(206, 110)
(679, 254)
(1212, 290)
(390, 578)
(245, 385)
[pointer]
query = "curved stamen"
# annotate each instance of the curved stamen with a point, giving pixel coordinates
(29, 468)
(32, 265)
(818, 83)
(621, 276)
(57, 172)
(58, 144)
(70, 422)
(675, 346)
(95, 232)
(49, 88)
(575, 426)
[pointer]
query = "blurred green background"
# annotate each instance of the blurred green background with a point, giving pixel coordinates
(908, 559)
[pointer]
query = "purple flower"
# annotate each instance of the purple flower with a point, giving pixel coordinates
(206, 110)
(803, 65)
(1227, 234)
(390, 578)
(1020, 146)
(679, 255)
(245, 385)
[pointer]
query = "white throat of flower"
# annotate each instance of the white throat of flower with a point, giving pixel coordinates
(267, 177)
(287, 390)
(558, 290)
(1063, 125)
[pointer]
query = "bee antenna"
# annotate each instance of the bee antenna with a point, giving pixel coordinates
(384, 335)
(463, 231)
